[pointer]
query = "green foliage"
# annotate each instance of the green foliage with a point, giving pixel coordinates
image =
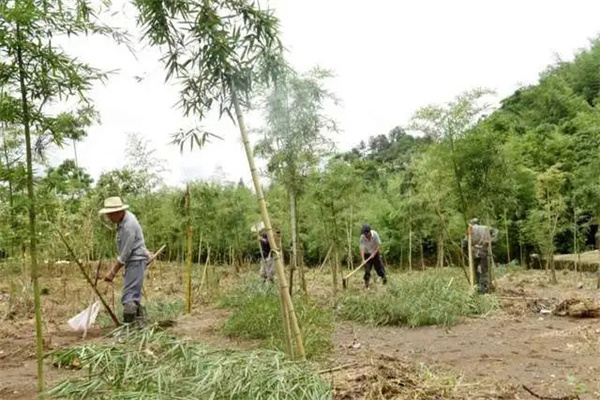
(150, 364)
(295, 138)
(472, 162)
(417, 299)
(257, 316)
(223, 48)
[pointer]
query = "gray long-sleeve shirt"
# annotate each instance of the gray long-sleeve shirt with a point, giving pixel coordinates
(483, 235)
(130, 240)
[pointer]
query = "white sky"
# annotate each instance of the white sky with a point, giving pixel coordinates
(390, 57)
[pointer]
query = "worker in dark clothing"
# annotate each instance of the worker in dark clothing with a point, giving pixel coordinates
(370, 244)
(267, 264)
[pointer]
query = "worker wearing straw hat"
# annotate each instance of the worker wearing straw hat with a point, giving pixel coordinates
(133, 255)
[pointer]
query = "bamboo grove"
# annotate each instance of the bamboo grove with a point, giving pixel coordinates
(527, 166)
(535, 156)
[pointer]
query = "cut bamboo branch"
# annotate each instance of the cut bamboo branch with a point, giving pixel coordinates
(88, 279)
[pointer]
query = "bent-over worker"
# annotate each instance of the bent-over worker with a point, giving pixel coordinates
(133, 255)
(482, 236)
(370, 244)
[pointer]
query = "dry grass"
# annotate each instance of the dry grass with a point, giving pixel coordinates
(382, 377)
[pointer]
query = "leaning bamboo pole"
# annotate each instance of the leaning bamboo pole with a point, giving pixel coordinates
(188, 258)
(288, 312)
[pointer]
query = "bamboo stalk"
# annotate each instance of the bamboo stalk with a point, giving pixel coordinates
(471, 270)
(334, 273)
(350, 261)
(422, 258)
(491, 267)
(295, 335)
(409, 230)
(410, 248)
(32, 217)
(507, 241)
(326, 258)
(289, 346)
(188, 286)
(293, 226)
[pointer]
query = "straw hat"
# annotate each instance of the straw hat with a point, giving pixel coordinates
(112, 205)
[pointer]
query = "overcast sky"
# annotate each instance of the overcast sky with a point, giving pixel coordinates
(390, 57)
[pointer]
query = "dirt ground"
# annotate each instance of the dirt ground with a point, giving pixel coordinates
(489, 357)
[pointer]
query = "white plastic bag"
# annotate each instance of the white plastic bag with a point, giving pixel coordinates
(85, 319)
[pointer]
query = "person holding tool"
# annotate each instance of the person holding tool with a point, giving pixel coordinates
(482, 238)
(370, 244)
(133, 255)
(267, 264)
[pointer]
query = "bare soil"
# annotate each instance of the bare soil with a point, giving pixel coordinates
(490, 357)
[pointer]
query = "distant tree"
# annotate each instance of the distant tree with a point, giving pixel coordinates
(295, 139)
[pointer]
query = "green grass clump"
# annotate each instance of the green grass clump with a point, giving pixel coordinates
(153, 365)
(257, 316)
(417, 300)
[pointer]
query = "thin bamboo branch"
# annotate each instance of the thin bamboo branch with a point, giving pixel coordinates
(88, 279)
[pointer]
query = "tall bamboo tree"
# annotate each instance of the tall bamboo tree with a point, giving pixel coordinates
(295, 140)
(220, 51)
(38, 72)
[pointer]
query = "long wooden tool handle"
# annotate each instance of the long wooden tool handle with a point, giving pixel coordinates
(87, 278)
(155, 256)
(357, 268)
(97, 272)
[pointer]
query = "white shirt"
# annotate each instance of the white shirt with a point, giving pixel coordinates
(369, 246)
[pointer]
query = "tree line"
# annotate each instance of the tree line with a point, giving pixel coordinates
(528, 167)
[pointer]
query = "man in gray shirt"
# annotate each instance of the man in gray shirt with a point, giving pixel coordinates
(369, 251)
(482, 236)
(132, 254)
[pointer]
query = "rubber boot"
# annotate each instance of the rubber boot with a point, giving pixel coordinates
(129, 312)
(140, 317)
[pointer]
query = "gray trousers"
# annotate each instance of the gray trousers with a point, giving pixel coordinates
(267, 269)
(132, 283)
(482, 272)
